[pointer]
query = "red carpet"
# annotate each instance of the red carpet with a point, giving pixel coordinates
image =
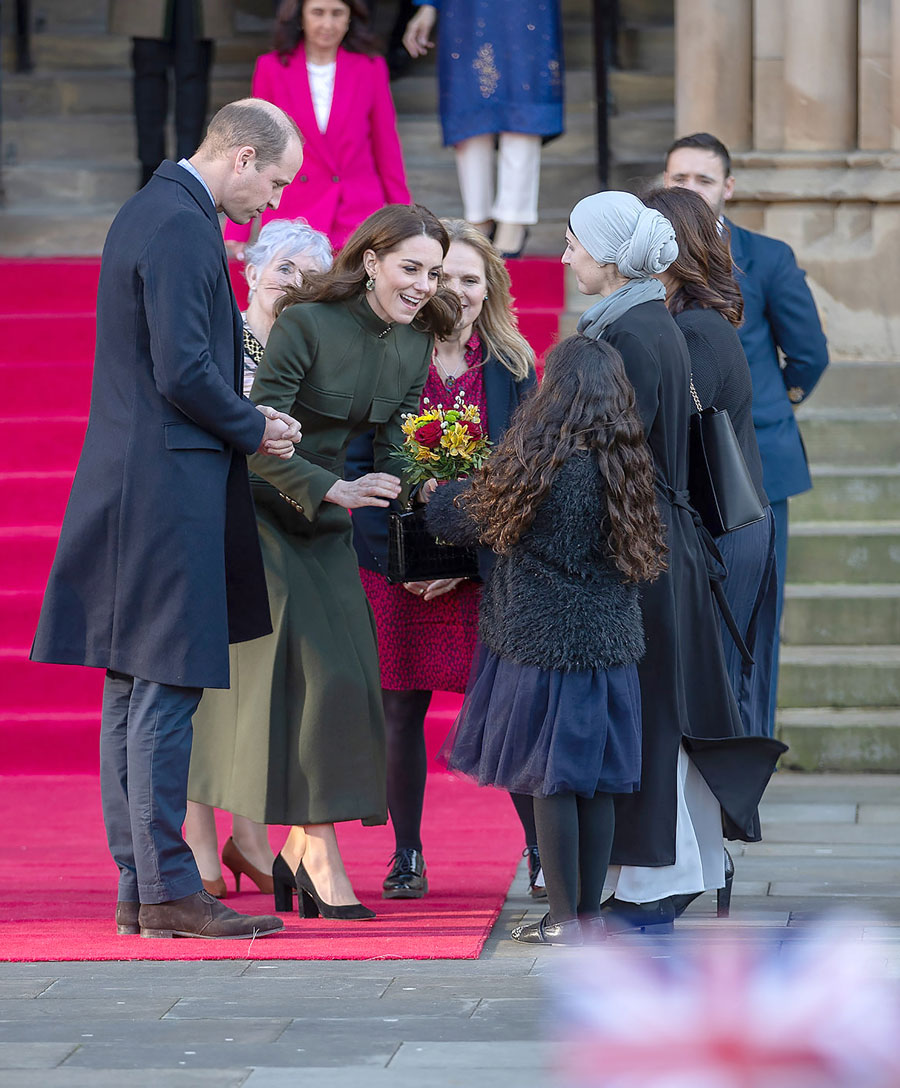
(58, 879)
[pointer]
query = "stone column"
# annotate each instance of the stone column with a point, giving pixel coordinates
(768, 74)
(713, 69)
(820, 66)
(893, 97)
(875, 73)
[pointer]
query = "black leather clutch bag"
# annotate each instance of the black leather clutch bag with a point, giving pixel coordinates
(719, 481)
(414, 555)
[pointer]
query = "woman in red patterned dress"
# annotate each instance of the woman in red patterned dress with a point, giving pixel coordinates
(427, 630)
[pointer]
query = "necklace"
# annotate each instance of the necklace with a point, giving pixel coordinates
(446, 377)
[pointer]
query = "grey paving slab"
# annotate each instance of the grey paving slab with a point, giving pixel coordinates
(135, 1008)
(479, 986)
(806, 812)
(880, 814)
(351, 1052)
(23, 987)
(474, 1056)
(185, 1033)
(834, 889)
(187, 969)
(395, 968)
(415, 1076)
(863, 871)
(67, 1077)
(233, 990)
(329, 1008)
(831, 833)
(331, 1034)
(819, 850)
(32, 1056)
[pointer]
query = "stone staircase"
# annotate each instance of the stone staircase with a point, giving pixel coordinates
(68, 136)
(839, 696)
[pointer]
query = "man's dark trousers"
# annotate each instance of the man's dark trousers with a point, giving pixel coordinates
(145, 752)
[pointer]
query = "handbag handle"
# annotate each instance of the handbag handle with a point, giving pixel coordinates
(694, 395)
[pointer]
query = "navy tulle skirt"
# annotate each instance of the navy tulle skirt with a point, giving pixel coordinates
(545, 731)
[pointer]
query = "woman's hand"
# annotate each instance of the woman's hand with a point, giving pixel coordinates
(428, 591)
(234, 249)
(373, 489)
(417, 36)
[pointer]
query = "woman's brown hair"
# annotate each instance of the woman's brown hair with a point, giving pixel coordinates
(703, 268)
(584, 402)
(289, 29)
(382, 232)
(496, 324)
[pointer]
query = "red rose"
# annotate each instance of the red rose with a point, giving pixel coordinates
(474, 429)
(429, 434)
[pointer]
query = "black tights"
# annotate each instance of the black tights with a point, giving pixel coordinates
(407, 764)
(575, 837)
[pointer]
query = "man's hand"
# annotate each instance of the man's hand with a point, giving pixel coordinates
(235, 250)
(417, 36)
(281, 432)
(426, 490)
(374, 489)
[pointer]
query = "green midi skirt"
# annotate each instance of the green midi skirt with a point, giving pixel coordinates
(299, 736)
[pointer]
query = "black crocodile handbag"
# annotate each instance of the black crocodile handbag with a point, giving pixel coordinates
(414, 555)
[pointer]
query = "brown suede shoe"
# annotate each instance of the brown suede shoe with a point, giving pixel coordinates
(127, 918)
(201, 915)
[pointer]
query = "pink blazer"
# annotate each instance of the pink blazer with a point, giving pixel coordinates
(356, 165)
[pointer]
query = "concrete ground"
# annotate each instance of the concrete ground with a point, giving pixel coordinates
(831, 844)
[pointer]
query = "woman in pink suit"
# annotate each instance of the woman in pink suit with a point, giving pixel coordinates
(321, 73)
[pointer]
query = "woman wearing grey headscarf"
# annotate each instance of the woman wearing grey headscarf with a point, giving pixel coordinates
(698, 770)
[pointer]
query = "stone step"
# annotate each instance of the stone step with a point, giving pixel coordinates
(89, 48)
(862, 384)
(856, 552)
(844, 492)
(53, 232)
(73, 92)
(845, 741)
(841, 615)
(649, 46)
(839, 676)
(851, 436)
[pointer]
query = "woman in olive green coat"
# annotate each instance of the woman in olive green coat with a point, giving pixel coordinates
(299, 737)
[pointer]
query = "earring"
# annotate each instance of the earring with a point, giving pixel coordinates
(370, 283)
(485, 298)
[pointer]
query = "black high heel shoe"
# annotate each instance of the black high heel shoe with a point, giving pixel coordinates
(312, 905)
(655, 918)
(723, 895)
(309, 904)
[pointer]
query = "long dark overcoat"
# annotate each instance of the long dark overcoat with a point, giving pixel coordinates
(158, 564)
(686, 697)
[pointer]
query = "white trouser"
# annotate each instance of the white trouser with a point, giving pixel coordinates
(699, 853)
(518, 178)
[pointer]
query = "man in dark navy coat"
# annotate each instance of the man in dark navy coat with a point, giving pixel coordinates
(781, 335)
(158, 564)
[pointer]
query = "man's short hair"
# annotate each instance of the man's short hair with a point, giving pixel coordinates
(250, 122)
(704, 141)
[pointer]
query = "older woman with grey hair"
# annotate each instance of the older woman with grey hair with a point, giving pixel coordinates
(284, 251)
(698, 769)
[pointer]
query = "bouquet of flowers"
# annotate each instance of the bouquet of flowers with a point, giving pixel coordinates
(443, 443)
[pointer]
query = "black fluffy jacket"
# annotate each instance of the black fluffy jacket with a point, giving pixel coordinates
(557, 601)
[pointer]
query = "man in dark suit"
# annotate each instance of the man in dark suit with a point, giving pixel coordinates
(158, 564)
(781, 335)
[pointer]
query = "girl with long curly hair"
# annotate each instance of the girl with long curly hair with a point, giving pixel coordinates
(553, 710)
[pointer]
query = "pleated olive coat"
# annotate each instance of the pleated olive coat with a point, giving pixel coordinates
(299, 738)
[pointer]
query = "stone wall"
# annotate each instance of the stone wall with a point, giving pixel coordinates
(806, 93)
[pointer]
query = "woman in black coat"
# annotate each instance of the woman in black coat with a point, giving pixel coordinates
(427, 631)
(705, 300)
(698, 769)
